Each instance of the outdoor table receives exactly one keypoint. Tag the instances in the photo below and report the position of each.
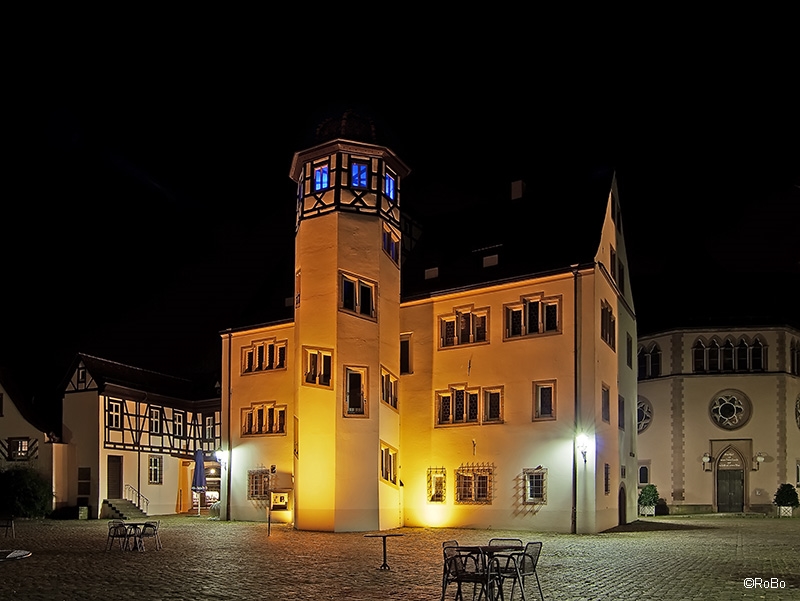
(490, 551)
(10, 554)
(133, 540)
(383, 535)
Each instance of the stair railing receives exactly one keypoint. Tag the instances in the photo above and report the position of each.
(137, 498)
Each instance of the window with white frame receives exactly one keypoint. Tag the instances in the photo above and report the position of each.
(359, 173)
(606, 405)
(388, 463)
(115, 414)
(258, 485)
(18, 448)
(318, 365)
(535, 492)
(389, 385)
(390, 185)
(463, 326)
(437, 484)
(210, 428)
(643, 478)
(321, 176)
(357, 295)
(457, 405)
(264, 418)
(264, 355)
(474, 484)
(178, 421)
(355, 386)
(544, 400)
(532, 315)
(155, 420)
(155, 469)
(743, 357)
(608, 325)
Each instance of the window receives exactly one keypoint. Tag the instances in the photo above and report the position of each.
(727, 356)
(613, 263)
(466, 326)
(649, 362)
(794, 359)
(358, 174)
(155, 471)
(391, 244)
(606, 405)
(699, 357)
(405, 354)
(155, 420)
(18, 449)
(437, 484)
(606, 478)
(644, 473)
(389, 186)
(318, 367)
(81, 375)
(264, 355)
(474, 483)
(264, 418)
(357, 296)
(210, 428)
(388, 388)
(544, 400)
(178, 421)
(457, 406)
(532, 315)
(535, 492)
(629, 351)
(757, 356)
(621, 412)
(258, 485)
(493, 405)
(608, 325)
(297, 289)
(321, 177)
(388, 463)
(355, 384)
(115, 414)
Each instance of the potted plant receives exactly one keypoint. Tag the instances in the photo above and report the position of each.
(648, 497)
(786, 499)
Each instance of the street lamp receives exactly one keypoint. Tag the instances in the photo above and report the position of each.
(582, 444)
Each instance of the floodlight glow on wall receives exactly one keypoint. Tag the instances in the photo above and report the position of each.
(582, 444)
(222, 457)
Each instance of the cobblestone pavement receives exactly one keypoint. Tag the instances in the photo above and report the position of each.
(673, 559)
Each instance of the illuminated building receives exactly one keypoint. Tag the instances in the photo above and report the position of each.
(498, 392)
(719, 417)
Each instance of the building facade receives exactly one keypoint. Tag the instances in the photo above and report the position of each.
(506, 402)
(719, 417)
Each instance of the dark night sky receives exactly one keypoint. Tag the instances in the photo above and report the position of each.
(149, 208)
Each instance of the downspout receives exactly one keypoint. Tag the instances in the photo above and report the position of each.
(139, 456)
(575, 367)
(230, 450)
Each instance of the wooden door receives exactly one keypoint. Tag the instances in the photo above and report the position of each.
(114, 479)
(730, 491)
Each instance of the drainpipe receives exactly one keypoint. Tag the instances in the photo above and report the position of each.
(230, 450)
(575, 367)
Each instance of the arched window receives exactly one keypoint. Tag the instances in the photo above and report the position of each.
(757, 356)
(713, 356)
(795, 357)
(655, 361)
(642, 363)
(727, 356)
(699, 357)
(742, 356)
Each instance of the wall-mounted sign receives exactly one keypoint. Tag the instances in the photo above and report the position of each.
(280, 501)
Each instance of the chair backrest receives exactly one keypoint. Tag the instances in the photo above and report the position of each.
(502, 542)
(450, 543)
(530, 558)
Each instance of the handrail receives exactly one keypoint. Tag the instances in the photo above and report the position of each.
(137, 498)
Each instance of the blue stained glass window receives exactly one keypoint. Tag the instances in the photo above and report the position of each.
(320, 177)
(358, 175)
(389, 186)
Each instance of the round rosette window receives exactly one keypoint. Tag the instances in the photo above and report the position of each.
(730, 409)
(644, 414)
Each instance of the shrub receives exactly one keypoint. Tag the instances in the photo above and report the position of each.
(786, 496)
(24, 493)
(648, 496)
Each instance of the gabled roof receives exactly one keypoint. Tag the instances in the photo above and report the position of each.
(546, 230)
(24, 403)
(112, 377)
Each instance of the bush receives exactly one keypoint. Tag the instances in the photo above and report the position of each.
(786, 496)
(24, 493)
(648, 496)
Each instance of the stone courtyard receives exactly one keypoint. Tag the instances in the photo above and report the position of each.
(667, 558)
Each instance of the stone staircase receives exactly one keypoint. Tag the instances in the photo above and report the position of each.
(121, 509)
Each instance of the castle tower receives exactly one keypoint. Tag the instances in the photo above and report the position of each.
(347, 332)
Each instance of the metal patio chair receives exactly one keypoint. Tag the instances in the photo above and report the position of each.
(519, 566)
(7, 522)
(150, 530)
(468, 565)
(117, 531)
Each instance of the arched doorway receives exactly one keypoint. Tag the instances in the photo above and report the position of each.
(623, 506)
(730, 482)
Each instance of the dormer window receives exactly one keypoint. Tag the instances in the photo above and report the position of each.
(389, 186)
(358, 174)
(321, 177)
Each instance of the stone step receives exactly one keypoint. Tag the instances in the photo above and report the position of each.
(121, 509)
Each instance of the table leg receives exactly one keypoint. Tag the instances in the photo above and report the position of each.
(384, 565)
